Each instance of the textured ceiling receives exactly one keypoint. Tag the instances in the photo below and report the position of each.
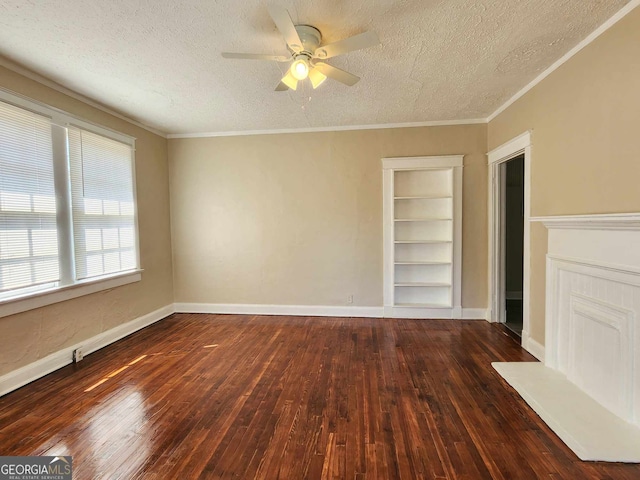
(158, 61)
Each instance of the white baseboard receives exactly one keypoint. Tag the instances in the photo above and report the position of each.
(436, 313)
(296, 310)
(329, 311)
(17, 378)
(474, 313)
(530, 345)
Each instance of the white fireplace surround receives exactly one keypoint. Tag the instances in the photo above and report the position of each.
(588, 390)
(592, 331)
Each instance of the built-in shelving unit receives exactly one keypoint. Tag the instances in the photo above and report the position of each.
(423, 245)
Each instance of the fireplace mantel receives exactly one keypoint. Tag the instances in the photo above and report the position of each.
(606, 221)
(592, 337)
(592, 332)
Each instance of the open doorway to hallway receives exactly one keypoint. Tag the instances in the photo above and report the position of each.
(512, 233)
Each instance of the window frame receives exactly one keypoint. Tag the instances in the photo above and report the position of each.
(62, 120)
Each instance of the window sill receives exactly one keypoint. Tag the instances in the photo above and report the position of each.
(60, 294)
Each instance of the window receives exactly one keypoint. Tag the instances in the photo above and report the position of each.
(28, 238)
(67, 201)
(103, 204)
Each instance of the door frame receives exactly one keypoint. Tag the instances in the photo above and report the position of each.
(496, 208)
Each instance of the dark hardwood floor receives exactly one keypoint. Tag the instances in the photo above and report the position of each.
(221, 396)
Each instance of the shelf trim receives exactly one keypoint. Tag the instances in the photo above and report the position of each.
(421, 242)
(423, 305)
(425, 197)
(427, 219)
(439, 162)
(422, 263)
(447, 188)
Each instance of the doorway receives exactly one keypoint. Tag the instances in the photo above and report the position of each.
(516, 147)
(512, 230)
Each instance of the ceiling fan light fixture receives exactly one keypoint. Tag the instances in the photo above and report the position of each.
(290, 81)
(306, 52)
(300, 68)
(316, 77)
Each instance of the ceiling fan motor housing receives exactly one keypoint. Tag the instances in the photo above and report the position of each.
(310, 38)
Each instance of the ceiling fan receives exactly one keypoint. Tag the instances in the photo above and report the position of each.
(307, 54)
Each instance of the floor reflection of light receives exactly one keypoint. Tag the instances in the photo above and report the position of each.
(117, 428)
(115, 372)
(137, 360)
(96, 385)
(59, 450)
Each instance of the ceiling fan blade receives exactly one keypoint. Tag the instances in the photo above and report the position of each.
(357, 42)
(282, 87)
(256, 56)
(337, 74)
(283, 21)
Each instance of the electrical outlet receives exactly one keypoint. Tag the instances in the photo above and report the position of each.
(350, 299)
(78, 355)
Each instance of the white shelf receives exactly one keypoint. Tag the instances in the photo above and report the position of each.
(422, 221)
(424, 197)
(425, 242)
(428, 219)
(422, 263)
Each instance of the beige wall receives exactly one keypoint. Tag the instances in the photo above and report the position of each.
(297, 218)
(585, 119)
(31, 335)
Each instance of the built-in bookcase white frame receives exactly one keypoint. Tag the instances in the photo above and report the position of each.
(453, 307)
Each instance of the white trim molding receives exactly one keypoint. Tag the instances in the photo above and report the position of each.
(294, 310)
(60, 294)
(14, 67)
(623, 12)
(341, 128)
(435, 313)
(474, 314)
(17, 378)
(328, 311)
(510, 149)
(439, 296)
(411, 163)
(62, 117)
(603, 221)
(532, 346)
(520, 145)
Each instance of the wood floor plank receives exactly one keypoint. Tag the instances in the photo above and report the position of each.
(240, 396)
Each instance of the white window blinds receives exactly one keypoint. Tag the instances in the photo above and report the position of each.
(67, 201)
(28, 233)
(103, 204)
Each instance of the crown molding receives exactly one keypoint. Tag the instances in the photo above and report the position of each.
(10, 65)
(14, 67)
(567, 56)
(437, 123)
